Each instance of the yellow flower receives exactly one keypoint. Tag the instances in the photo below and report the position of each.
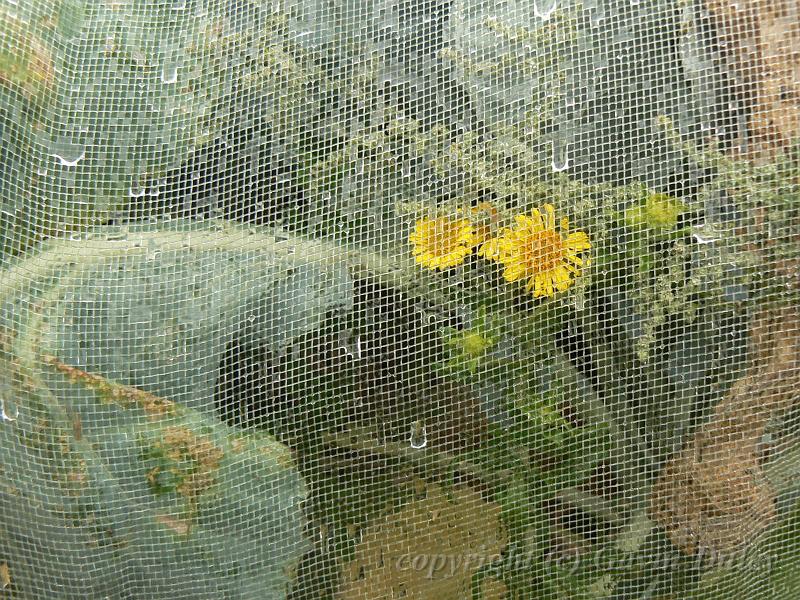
(535, 251)
(442, 243)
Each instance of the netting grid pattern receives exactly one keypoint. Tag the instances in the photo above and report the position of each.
(431, 299)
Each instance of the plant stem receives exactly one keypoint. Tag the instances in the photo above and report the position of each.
(365, 440)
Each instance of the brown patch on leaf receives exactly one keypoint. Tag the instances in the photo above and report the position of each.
(5, 575)
(713, 497)
(115, 393)
(25, 62)
(179, 526)
(761, 41)
(428, 550)
(79, 476)
(181, 445)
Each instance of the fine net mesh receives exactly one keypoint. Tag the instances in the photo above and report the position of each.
(428, 299)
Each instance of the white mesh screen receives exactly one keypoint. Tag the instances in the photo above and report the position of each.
(429, 299)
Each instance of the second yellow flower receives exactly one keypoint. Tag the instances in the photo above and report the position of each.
(533, 250)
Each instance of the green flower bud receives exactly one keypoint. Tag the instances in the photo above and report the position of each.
(659, 212)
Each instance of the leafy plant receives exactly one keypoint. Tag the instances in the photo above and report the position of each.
(115, 461)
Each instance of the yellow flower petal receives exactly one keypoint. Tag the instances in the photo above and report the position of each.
(514, 272)
(490, 249)
(575, 259)
(548, 284)
(537, 224)
(533, 250)
(523, 221)
(550, 221)
(578, 241)
(562, 279)
(442, 243)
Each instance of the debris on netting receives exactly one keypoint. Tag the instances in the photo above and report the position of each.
(430, 548)
(714, 497)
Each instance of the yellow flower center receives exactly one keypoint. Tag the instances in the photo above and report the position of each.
(445, 237)
(544, 251)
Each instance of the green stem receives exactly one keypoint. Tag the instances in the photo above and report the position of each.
(365, 440)
(605, 509)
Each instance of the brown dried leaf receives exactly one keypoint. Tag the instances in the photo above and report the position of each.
(428, 550)
(713, 497)
(761, 40)
(5, 575)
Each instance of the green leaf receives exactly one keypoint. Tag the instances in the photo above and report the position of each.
(115, 461)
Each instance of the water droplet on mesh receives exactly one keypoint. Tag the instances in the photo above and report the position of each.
(136, 191)
(350, 346)
(179, 5)
(8, 411)
(169, 73)
(69, 154)
(419, 437)
(704, 240)
(704, 234)
(560, 156)
(544, 8)
(580, 300)
(153, 251)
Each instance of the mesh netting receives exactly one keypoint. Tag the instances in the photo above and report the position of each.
(442, 299)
